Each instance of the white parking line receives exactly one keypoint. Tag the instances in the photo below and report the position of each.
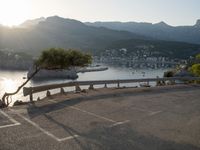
(45, 131)
(9, 125)
(141, 109)
(38, 127)
(154, 113)
(87, 112)
(93, 114)
(15, 123)
(119, 123)
(116, 123)
(69, 138)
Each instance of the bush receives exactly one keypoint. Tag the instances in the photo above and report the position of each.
(195, 69)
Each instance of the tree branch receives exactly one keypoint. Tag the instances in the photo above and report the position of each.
(6, 95)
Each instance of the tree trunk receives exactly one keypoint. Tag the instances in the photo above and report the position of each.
(6, 95)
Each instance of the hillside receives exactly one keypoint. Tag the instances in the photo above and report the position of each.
(35, 35)
(59, 32)
(160, 31)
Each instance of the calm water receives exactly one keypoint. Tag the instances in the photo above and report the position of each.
(10, 80)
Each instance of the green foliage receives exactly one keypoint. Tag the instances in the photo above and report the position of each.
(195, 69)
(197, 59)
(198, 56)
(58, 58)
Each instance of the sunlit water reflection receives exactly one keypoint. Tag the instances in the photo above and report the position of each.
(10, 80)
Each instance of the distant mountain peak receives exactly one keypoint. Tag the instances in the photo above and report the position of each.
(54, 18)
(198, 23)
(60, 20)
(32, 22)
(162, 24)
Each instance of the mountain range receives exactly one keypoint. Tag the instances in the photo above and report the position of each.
(59, 32)
(35, 35)
(159, 31)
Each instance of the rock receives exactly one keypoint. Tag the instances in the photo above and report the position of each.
(57, 73)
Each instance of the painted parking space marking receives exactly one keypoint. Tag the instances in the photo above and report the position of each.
(119, 123)
(115, 123)
(87, 112)
(14, 122)
(69, 138)
(93, 114)
(45, 131)
(53, 136)
(154, 113)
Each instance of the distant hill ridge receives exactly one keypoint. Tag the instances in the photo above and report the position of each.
(35, 35)
(160, 31)
(59, 32)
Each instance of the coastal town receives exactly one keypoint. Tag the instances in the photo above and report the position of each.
(138, 59)
(113, 57)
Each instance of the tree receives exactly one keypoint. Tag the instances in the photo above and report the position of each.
(54, 58)
(57, 58)
(195, 69)
(198, 57)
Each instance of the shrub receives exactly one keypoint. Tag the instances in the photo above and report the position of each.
(195, 69)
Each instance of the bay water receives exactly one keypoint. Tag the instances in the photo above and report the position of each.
(10, 80)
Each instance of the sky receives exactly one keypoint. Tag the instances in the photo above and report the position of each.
(173, 12)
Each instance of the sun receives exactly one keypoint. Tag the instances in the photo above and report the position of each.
(14, 12)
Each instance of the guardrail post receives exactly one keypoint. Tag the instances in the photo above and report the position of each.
(118, 86)
(77, 88)
(105, 86)
(31, 97)
(158, 82)
(91, 87)
(173, 82)
(62, 91)
(48, 93)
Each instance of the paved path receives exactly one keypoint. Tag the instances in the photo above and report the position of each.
(159, 118)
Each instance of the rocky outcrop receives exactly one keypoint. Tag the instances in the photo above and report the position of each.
(91, 69)
(63, 73)
(58, 73)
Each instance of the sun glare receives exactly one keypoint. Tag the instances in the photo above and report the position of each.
(14, 12)
(9, 85)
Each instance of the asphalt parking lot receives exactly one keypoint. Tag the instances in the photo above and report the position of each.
(161, 118)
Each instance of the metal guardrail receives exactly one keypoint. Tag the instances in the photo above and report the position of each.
(31, 90)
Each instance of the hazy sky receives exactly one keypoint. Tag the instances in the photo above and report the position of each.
(174, 12)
